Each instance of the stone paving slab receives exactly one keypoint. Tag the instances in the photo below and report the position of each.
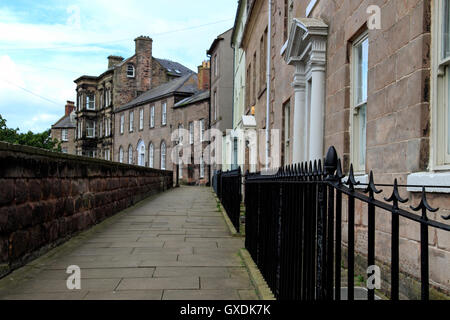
(174, 245)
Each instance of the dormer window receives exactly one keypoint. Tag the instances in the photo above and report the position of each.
(130, 71)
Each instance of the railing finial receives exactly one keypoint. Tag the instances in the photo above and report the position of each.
(395, 196)
(331, 162)
(371, 188)
(424, 205)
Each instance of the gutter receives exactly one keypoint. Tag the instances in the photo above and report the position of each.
(269, 33)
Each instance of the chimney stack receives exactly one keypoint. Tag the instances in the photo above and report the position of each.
(70, 106)
(114, 60)
(143, 49)
(204, 75)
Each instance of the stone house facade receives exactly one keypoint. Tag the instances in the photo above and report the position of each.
(221, 114)
(379, 95)
(124, 80)
(192, 114)
(64, 129)
(144, 127)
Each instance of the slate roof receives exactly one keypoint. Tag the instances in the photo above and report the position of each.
(179, 86)
(174, 68)
(64, 122)
(199, 96)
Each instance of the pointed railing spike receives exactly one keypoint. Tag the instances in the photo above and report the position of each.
(424, 205)
(339, 174)
(371, 188)
(351, 179)
(395, 197)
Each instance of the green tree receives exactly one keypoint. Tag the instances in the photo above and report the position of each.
(38, 140)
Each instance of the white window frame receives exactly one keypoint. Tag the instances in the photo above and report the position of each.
(191, 132)
(356, 145)
(202, 130)
(141, 119)
(163, 156)
(152, 116)
(132, 69)
(440, 103)
(130, 154)
(215, 105)
(90, 105)
(100, 128)
(64, 135)
(121, 154)
(202, 167)
(151, 154)
(92, 129)
(131, 122)
(108, 127)
(164, 114)
(141, 153)
(107, 154)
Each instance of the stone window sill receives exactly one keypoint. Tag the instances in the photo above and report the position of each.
(430, 179)
(362, 178)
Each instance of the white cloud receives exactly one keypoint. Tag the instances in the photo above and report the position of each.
(45, 54)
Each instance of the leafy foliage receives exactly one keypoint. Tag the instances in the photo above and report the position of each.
(38, 140)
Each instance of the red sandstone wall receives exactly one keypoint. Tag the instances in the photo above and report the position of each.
(47, 197)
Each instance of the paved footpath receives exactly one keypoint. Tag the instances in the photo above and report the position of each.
(174, 245)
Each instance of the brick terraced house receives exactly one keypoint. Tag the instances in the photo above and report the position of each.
(379, 95)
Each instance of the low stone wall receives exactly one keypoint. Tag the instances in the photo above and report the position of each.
(47, 197)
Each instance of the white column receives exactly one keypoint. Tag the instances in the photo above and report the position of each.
(317, 110)
(299, 115)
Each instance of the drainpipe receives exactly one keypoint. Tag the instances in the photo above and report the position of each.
(268, 82)
(209, 117)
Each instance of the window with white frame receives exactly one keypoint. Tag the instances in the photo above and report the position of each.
(216, 65)
(121, 154)
(130, 71)
(441, 85)
(202, 167)
(163, 155)
(202, 129)
(122, 122)
(107, 127)
(79, 131)
(180, 133)
(108, 97)
(360, 55)
(164, 114)
(141, 153)
(107, 154)
(215, 105)
(90, 128)
(150, 155)
(141, 119)
(64, 150)
(79, 102)
(64, 135)
(152, 116)
(101, 99)
(100, 128)
(131, 124)
(90, 101)
(130, 154)
(191, 132)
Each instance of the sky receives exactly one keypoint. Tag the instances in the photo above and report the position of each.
(45, 45)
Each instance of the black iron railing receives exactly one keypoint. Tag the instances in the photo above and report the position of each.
(229, 190)
(294, 229)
